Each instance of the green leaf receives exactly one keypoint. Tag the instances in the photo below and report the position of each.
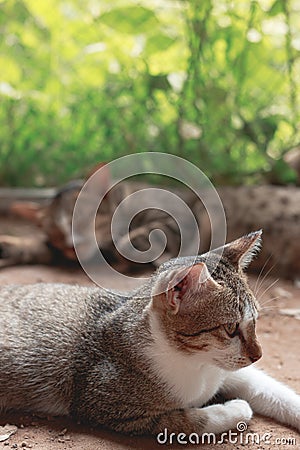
(282, 173)
(133, 19)
(159, 82)
(276, 8)
(158, 43)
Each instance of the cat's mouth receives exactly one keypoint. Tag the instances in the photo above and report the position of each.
(235, 363)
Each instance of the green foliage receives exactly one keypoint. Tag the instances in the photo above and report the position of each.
(213, 81)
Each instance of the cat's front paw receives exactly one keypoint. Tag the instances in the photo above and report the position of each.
(221, 418)
(240, 409)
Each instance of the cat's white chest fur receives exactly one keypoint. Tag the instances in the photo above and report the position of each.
(191, 380)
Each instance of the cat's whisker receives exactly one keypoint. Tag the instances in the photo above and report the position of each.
(263, 279)
(261, 272)
(269, 301)
(268, 308)
(268, 288)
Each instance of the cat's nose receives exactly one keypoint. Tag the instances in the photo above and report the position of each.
(255, 358)
(255, 354)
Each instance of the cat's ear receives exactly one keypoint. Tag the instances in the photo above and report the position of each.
(241, 251)
(99, 179)
(172, 289)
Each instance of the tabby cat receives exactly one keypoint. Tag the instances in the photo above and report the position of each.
(147, 360)
(275, 209)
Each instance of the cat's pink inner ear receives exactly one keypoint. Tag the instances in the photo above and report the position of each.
(189, 279)
(98, 166)
(177, 286)
(199, 273)
(99, 178)
(200, 277)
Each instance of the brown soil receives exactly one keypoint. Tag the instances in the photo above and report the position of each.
(279, 335)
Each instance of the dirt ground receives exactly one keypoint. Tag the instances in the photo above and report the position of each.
(279, 335)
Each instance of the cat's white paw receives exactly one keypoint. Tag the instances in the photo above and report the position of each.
(240, 409)
(221, 418)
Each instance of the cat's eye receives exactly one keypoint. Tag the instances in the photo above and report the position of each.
(231, 329)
